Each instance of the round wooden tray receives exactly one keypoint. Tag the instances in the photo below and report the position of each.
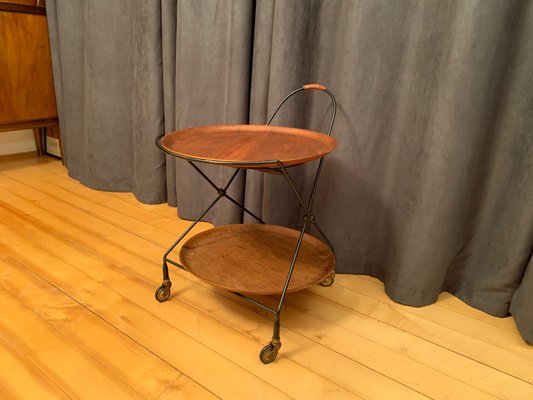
(248, 146)
(255, 259)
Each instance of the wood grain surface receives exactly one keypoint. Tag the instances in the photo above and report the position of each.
(244, 145)
(24, 6)
(25, 2)
(27, 87)
(255, 259)
(86, 264)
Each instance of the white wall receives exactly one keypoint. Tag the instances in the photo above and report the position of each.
(16, 142)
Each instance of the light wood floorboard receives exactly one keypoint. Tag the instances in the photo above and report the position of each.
(78, 270)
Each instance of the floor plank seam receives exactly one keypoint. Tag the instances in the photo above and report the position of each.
(29, 361)
(67, 339)
(109, 244)
(162, 320)
(44, 228)
(429, 341)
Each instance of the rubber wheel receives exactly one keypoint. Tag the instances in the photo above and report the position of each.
(162, 293)
(328, 281)
(268, 354)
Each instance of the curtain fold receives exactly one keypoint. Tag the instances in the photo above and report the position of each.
(522, 304)
(107, 69)
(430, 188)
(208, 49)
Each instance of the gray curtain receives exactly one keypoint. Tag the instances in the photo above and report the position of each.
(207, 50)
(106, 57)
(430, 189)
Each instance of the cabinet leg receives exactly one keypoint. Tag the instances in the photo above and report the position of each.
(37, 135)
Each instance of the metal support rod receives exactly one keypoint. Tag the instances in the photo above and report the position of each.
(166, 277)
(333, 102)
(231, 179)
(260, 305)
(192, 226)
(287, 176)
(275, 334)
(223, 190)
(334, 113)
(244, 208)
(307, 208)
(317, 227)
(319, 170)
(291, 269)
(204, 175)
(174, 263)
(315, 184)
(283, 102)
(221, 193)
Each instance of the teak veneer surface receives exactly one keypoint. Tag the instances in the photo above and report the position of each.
(26, 81)
(255, 259)
(247, 145)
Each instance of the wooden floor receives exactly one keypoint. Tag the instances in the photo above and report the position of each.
(78, 270)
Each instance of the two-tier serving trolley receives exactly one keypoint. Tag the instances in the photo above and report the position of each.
(255, 259)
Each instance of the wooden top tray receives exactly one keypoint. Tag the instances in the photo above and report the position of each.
(255, 259)
(248, 146)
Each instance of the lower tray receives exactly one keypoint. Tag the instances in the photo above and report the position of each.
(255, 259)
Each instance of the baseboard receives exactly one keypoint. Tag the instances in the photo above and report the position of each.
(14, 142)
(18, 156)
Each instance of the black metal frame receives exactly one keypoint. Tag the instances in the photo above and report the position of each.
(270, 351)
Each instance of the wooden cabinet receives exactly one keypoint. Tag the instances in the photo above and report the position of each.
(27, 97)
(36, 3)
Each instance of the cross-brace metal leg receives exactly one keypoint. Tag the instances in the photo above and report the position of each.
(163, 292)
(270, 351)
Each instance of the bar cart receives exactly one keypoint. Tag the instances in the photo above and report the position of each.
(255, 259)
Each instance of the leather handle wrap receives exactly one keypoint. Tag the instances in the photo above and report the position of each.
(314, 86)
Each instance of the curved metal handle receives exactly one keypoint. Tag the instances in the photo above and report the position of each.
(310, 86)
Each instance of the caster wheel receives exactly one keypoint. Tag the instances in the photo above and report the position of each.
(328, 281)
(268, 354)
(162, 293)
